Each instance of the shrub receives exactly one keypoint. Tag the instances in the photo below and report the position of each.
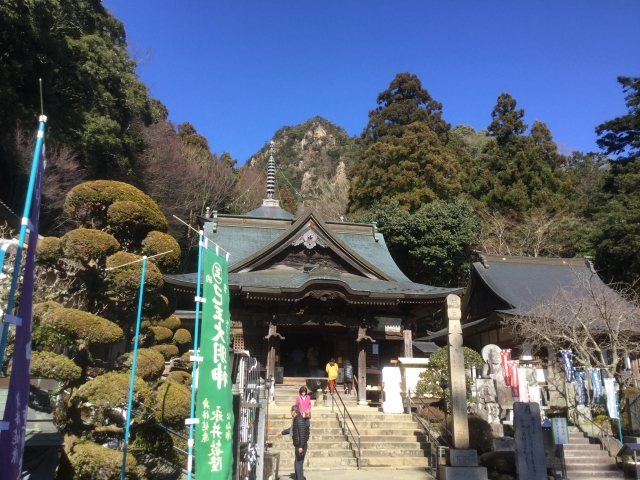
(89, 202)
(81, 326)
(162, 334)
(480, 435)
(124, 282)
(168, 351)
(112, 390)
(503, 463)
(85, 245)
(153, 439)
(182, 337)
(48, 250)
(171, 322)
(158, 242)
(173, 403)
(130, 221)
(180, 377)
(149, 363)
(51, 365)
(39, 309)
(91, 462)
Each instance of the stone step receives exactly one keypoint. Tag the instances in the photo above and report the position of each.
(390, 452)
(593, 467)
(582, 452)
(386, 424)
(411, 445)
(312, 431)
(589, 460)
(315, 423)
(391, 431)
(313, 445)
(392, 438)
(312, 438)
(582, 446)
(586, 474)
(320, 463)
(579, 441)
(289, 453)
(394, 462)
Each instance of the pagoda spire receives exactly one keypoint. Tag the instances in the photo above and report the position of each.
(271, 174)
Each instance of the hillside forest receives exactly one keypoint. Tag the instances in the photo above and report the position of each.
(436, 191)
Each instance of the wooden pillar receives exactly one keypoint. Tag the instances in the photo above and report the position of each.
(272, 339)
(408, 343)
(362, 340)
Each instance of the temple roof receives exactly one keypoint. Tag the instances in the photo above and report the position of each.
(264, 251)
(269, 211)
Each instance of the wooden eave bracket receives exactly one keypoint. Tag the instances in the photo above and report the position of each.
(273, 333)
(362, 335)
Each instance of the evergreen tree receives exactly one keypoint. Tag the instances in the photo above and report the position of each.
(616, 229)
(407, 154)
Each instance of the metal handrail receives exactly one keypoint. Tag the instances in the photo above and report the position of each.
(609, 437)
(429, 411)
(344, 423)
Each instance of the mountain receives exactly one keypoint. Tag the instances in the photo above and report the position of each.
(312, 159)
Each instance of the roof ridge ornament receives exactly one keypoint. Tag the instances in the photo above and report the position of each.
(482, 259)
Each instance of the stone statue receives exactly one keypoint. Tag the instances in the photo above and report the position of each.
(487, 398)
(493, 366)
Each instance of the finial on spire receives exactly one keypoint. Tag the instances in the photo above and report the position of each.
(271, 174)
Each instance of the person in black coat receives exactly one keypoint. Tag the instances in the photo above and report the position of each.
(300, 435)
(348, 377)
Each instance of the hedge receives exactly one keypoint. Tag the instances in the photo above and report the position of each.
(112, 390)
(131, 221)
(182, 337)
(85, 244)
(91, 461)
(180, 377)
(149, 363)
(48, 250)
(83, 326)
(168, 351)
(162, 334)
(173, 403)
(89, 202)
(158, 242)
(172, 322)
(124, 282)
(57, 367)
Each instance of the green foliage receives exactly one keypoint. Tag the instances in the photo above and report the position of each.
(288, 200)
(407, 155)
(91, 462)
(162, 334)
(480, 435)
(432, 246)
(168, 351)
(48, 250)
(171, 322)
(180, 377)
(158, 242)
(85, 245)
(149, 363)
(438, 368)
(616, 217)
(51, 365)
(89, 203)
(182, 337)
(507, 121)
(80, 326)
(173, 402)
(124, 282)
(91, 88)
(501, 463)
(112, 390)
(153, 439)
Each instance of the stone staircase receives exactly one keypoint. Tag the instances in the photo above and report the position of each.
(387, 441)
(585, 460)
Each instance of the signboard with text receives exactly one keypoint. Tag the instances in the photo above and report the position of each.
(214, 401)
(560, 431)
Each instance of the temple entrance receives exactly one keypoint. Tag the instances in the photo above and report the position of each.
(307, 354)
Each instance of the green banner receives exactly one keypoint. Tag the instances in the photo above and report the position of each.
(214, 407)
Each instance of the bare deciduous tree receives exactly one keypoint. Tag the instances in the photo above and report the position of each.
(599, 323)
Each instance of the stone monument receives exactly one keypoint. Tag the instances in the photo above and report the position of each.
(530, 459)
(392, 400)
(462, 463)
(493, 397)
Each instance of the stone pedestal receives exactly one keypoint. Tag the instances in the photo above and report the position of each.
(446, 472)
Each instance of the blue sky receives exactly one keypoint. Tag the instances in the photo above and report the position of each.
(239, 70)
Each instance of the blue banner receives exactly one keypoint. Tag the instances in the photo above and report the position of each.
(582, 391)
(596, 385)
(15, 413)
(567, 363)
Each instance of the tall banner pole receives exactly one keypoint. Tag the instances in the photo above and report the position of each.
(133, 370)
(214, 423)
(14, 422)
(23, 233)
(195, 358)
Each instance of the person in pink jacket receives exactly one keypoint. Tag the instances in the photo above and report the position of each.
(304, 404)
